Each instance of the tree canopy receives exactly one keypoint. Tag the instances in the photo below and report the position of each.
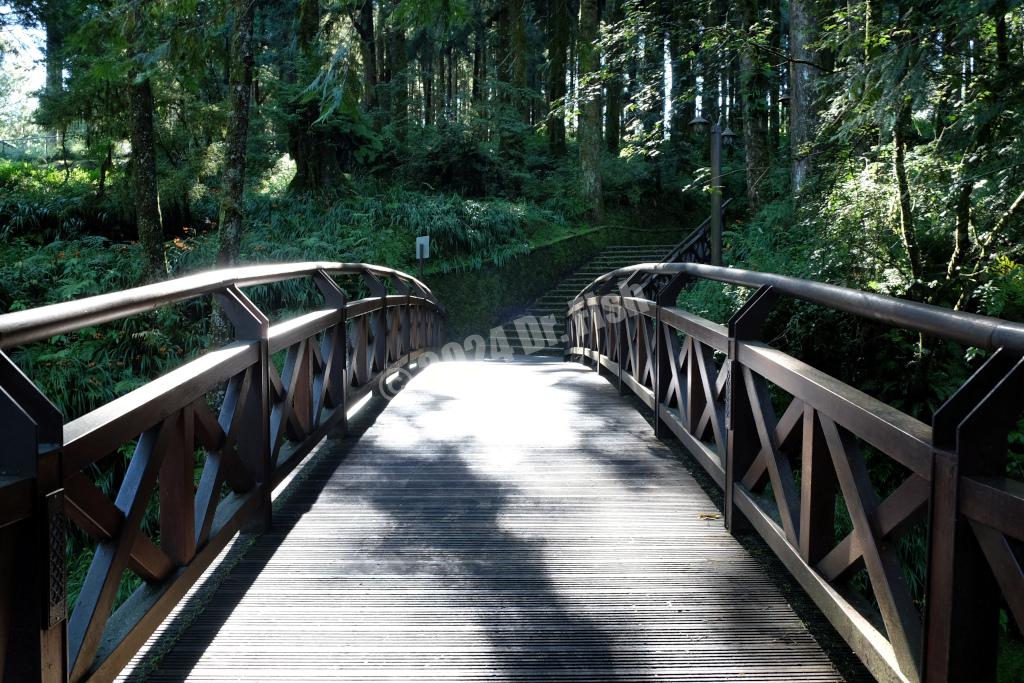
(878, 143)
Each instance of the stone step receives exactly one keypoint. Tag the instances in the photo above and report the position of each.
(630, 252)
(619, 258)
(554, 301)
(514, 338)
(624, 258)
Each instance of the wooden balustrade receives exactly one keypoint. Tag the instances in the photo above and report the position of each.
(716, 387)
(266, 421)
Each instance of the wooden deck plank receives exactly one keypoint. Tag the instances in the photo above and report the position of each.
(498, 521)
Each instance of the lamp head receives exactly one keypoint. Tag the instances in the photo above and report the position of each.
(699, 124)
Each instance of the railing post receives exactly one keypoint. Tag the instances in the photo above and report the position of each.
(969, 435)
(402, 347)
(35, 597)
(716, 195)
(567, 342)
(661, 362)
(406, 329)
(622, 335)
(380, 326)
(336, 379)
(665, 297)
(818, 488)
(254, 447)
(742, 443)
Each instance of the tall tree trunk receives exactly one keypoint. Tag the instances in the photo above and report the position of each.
(733, 96)
(383, 68)
(519, 48)
(503, 52)
(711, 71)
(147, 203)
(754, 89)
(558, 45)
(676, 103)
(803, 76)
(427, 75)
(479, 60)
(538, 89)
(632, 94)
(368, 52)
(1002, 42)
(398, 62)
(684, 79)
(775, 45)
(573, 83)
(143, 141)
(654, 76)
(240, 87)
(440, 93)
(317, 162)
(52, 18)
(907, 232)
(613, 115)
(54, 51)
(449, 83)
(590, 108)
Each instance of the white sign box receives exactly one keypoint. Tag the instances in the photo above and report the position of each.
(423, 246)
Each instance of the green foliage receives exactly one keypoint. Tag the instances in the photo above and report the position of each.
(45, 203)
(378, 224)
(452, 159)
(83, 370)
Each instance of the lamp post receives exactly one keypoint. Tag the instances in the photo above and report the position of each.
(716, 195)
(700, 125)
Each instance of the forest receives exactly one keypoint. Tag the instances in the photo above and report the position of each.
(872, 144)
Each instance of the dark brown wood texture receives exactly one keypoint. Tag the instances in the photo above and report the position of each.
(264, 421)
(716, 389)
(498, 521)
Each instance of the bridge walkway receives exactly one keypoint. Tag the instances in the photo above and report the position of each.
(510, 521)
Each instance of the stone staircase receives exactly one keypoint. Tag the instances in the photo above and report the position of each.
(539, 330)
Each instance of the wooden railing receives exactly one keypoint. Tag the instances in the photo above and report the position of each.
(715, 388)
(267, 420)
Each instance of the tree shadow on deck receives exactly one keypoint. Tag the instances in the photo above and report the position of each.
(442, 577)
(817, 624)
(176, 642)
(460, 538)
(429, 562)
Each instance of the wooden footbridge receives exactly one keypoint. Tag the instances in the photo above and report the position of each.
(504, 520)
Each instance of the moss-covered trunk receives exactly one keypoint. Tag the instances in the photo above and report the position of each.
(240, 88)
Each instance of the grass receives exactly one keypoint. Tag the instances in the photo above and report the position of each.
(1011, 660)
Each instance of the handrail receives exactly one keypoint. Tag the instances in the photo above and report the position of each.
(23, 327)
(716, 388)
(968, 328)
(250, 418)
(694, 248)
(695, 234)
